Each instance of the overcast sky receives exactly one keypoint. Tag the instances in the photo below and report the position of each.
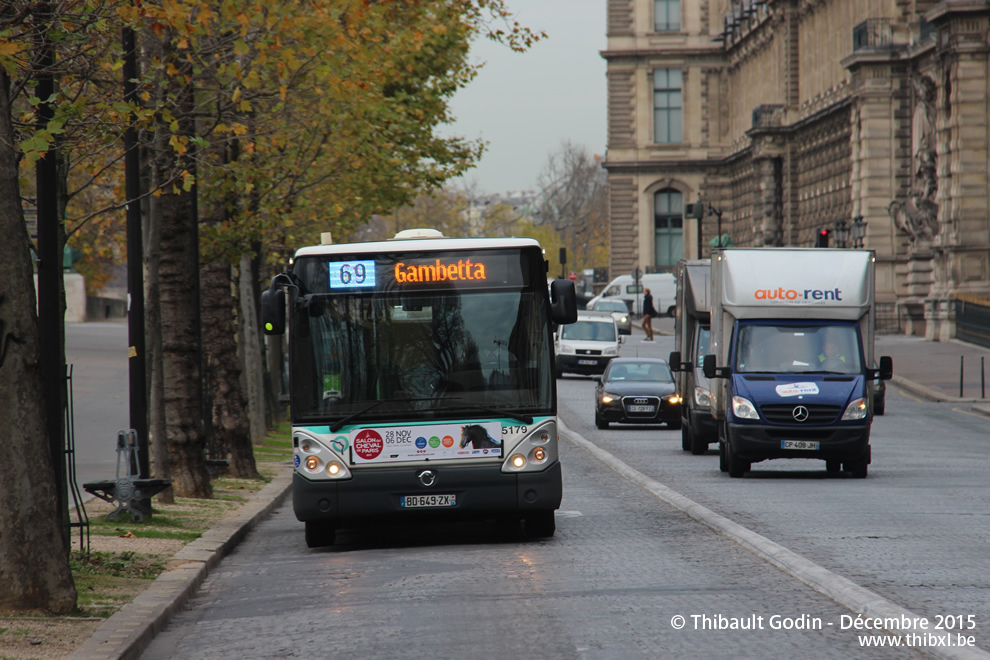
(526, 104)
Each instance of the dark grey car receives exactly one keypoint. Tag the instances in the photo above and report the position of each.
(637, 391)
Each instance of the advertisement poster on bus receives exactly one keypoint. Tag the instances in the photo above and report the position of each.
(434, 442)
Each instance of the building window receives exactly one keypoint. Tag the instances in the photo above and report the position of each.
(666, 15)
(668, 228)
(667, 106)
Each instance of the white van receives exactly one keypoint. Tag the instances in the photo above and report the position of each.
(587, 345)
(663, 286)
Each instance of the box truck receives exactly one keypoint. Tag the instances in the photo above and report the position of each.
(663, 286)
(691, 340)
(791, 356)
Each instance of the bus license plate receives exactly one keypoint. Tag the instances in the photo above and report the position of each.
(635, 408)
(423, 501)
(799, 444)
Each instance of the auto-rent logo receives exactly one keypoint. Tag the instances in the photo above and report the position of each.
(780, 295)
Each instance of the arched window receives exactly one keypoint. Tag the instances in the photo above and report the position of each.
(668, 227)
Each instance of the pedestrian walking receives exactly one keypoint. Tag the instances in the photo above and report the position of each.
(649, 311)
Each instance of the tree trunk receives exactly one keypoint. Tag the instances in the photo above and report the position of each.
(250, 350)
(231, 427)
(181, 345)
(178, 273)
(34, 571)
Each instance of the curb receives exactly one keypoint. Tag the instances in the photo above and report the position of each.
(932, 394)
(843, 591)
(129, 631)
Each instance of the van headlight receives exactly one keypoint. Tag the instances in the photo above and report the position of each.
(612, 350)
(855, 410)
(702, 397)
(744, 408)
(566, 349)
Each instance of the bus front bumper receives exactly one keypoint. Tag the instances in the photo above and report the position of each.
(375, 495)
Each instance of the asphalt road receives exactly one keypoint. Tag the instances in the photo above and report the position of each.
(624, 564)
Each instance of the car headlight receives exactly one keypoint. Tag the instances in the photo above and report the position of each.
(702, 397)
(610, 351)
(674, 399)
(566, 349)
(743, 408)
(855, 410)
(608, 398)
(624, 319)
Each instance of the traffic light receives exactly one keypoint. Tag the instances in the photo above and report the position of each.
(821, 240)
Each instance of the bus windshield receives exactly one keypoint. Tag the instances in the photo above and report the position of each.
(420, 356)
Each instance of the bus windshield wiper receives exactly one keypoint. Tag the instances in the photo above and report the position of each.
(525, 419)
(340, 423)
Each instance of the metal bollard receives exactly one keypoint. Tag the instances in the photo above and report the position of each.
(961, 358)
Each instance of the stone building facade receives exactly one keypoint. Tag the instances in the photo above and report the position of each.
(783, 118)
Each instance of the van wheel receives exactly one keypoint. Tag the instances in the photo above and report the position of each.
(723, 462)
(858, 469)
(699, 445)
(833, 466)
(319, 534)
(539, 524)
(737, 466)
(685, 438)
(672, 311)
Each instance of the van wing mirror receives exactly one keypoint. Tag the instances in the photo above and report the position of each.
(675, 362)
(886, 367)
(711, 371)
(563, 302)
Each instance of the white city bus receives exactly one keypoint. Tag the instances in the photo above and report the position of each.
(421, 374)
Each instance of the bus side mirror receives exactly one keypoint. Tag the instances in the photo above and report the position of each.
(563, 302)
(273, 311)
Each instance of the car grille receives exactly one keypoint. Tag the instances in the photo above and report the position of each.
(784, 413)
(587, 351)
(641, 401)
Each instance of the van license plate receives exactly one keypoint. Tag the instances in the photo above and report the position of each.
(424, 501)
(588, 362)
(800, 444)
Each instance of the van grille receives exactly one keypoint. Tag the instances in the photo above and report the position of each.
(783, 413)
(587, 351)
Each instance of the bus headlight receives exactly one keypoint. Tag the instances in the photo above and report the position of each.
(855, 410)
(318, 458)
(534, 452)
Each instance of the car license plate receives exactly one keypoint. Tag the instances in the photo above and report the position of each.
(588, 362)
(799, 444)
(425, 501)
(635, 408)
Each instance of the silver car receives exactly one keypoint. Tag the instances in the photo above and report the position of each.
(620, 312)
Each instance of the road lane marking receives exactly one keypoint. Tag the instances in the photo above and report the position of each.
(843, 591)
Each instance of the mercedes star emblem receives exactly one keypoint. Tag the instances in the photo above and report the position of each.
(800, 414)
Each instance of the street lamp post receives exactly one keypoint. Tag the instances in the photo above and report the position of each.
(841, 232)
(858, 231)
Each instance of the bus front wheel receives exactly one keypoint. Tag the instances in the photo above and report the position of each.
(319, 534)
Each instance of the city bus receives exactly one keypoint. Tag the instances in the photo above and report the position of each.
(422, 383)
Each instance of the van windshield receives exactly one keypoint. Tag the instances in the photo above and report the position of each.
(798, 349)
(588, 331)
